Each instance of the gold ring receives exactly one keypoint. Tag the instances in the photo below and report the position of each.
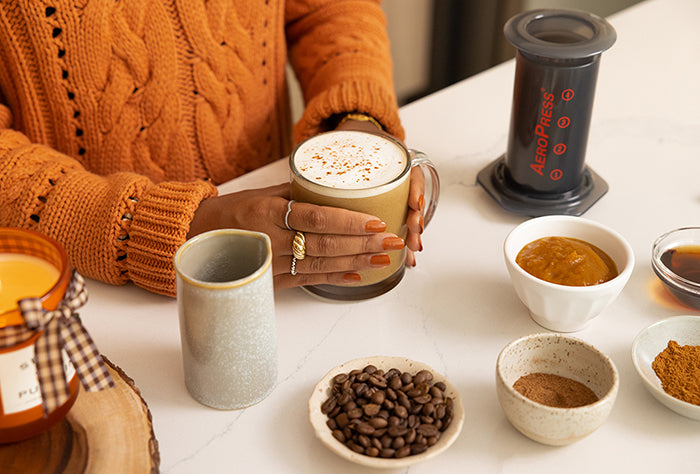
(299, 246)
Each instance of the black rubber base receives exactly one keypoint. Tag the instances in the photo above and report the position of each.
(573, 203)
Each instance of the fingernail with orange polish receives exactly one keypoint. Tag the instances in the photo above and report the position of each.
(420, 244)
(351, 277)
(375, 226)
(381, 260)
(422, 224)
(392, 243)
(421, 201)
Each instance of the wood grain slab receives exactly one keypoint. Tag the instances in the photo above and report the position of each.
(106, 431)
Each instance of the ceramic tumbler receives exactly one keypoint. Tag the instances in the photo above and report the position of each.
(226, 310)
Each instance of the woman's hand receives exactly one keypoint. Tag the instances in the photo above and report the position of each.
(338, 242)
(414, 219)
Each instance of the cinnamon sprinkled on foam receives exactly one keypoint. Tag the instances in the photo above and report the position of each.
(350, 160)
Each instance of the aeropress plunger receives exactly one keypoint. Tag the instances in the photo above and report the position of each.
(543, 170)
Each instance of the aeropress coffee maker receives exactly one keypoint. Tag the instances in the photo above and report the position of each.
(543, 170)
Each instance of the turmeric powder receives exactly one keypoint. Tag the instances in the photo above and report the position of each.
(678, 368)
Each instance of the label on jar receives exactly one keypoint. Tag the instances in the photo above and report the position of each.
(19, 384)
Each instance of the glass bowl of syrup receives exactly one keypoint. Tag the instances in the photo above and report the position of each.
(675, 258)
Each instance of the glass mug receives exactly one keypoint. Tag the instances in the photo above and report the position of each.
(31, 265)
(365, 172)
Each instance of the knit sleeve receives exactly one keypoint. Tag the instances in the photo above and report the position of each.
(115, 229)
(339, 50)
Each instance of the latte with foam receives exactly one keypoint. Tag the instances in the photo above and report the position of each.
(350, 160)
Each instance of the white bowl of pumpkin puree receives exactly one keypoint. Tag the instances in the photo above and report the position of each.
(566, 270)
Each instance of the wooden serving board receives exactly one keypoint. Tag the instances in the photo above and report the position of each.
(106, 431)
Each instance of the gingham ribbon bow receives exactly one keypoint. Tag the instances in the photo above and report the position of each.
(63, 330)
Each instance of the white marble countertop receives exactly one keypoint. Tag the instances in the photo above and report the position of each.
(457, 309)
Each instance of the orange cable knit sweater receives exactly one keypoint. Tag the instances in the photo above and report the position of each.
(116, 117)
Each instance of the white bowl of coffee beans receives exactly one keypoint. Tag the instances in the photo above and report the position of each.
(386, 412)
(555, 389)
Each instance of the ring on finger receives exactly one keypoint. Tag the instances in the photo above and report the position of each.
(293, 271)
(299, 246)
(286, 216)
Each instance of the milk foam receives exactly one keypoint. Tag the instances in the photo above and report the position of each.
(349, 160)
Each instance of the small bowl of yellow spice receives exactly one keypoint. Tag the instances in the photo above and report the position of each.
(566, 270)
(555, 389)
(666, 356)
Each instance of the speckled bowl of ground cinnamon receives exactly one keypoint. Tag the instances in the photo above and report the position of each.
(554, 388)
(666, 356)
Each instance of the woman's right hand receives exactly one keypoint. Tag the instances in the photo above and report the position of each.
(339, 242)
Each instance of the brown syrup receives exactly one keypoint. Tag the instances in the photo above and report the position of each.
(684, 261)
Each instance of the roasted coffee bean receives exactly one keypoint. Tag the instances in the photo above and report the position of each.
(329, 405)
(395, 431)
(427, 430)
(378, 397)
(386, 440)
(387, 453)
(440, 411)
(372, 451)
(362, 377)
(410, 437)
(355, 447)
(364, 441)
(387, 414)
(344, 398)
(401, 411)
(377, 422)
(338, 434)
(361, 388)
(423, 399)
(365, 428)
(340, 378)
(402, 452)
(418, 448)
(342, 420)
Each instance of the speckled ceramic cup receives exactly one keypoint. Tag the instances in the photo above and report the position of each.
(565, 356)
(226, 308)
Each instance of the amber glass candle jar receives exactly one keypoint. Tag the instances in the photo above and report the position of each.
(31, 265)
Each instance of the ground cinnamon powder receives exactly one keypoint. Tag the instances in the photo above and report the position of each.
(554, 390)
(678, 368)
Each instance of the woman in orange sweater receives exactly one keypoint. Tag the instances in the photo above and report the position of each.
(118, 118)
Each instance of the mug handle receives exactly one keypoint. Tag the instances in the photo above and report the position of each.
(432, 181)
